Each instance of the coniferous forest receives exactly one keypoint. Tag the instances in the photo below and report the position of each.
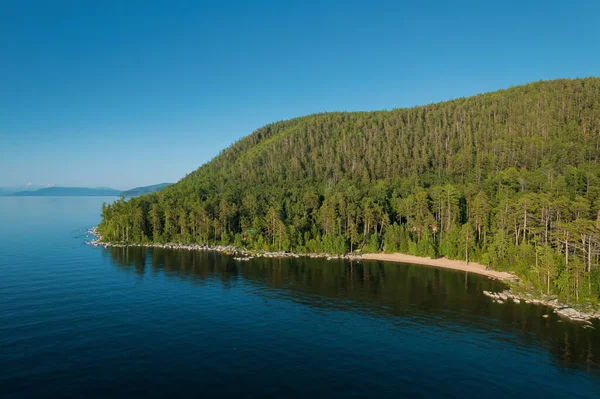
(510, 179)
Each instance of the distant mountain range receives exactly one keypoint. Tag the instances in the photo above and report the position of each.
(83, 191)
(69, 192)
(11, 190)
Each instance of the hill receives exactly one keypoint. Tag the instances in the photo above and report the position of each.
(136, 192)
(69, 192)
(8, 191)
(510, 179)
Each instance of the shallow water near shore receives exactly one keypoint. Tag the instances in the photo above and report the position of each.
(81, 321)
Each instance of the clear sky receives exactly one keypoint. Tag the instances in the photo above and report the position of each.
(130, 93)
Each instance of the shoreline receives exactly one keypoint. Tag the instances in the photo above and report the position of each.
(561, 309)
(241, 254)
(445, 263)
(244, 254)
(503, 297)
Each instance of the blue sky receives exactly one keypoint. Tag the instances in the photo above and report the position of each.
(129, 93)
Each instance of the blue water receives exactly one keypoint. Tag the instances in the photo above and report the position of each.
(80, 321)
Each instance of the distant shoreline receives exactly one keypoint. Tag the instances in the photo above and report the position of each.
(57, 191)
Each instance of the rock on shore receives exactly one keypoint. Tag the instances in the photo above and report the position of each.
(558, 308)
(240, 254)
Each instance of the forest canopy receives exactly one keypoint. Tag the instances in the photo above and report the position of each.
(509, 179)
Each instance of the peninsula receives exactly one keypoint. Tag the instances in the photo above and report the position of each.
(509, 179)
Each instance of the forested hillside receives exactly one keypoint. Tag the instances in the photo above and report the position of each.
(509, 178)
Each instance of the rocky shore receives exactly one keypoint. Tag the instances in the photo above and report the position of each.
(560, 309)
(240, 253)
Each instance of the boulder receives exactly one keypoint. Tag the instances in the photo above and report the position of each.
(572, 314)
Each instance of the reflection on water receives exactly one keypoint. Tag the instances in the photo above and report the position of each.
(397, 292)
(78, 321)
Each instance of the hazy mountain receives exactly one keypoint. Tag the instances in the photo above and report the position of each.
(33, 191)
(12, 190)
(136, 192)
(69, 192)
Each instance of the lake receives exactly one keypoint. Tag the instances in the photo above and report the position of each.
(81, 321)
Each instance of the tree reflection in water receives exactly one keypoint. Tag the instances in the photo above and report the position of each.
(427, 295)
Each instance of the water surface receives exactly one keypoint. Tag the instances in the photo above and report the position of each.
(80, 321)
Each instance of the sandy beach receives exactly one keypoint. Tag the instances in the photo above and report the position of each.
(471, 267)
